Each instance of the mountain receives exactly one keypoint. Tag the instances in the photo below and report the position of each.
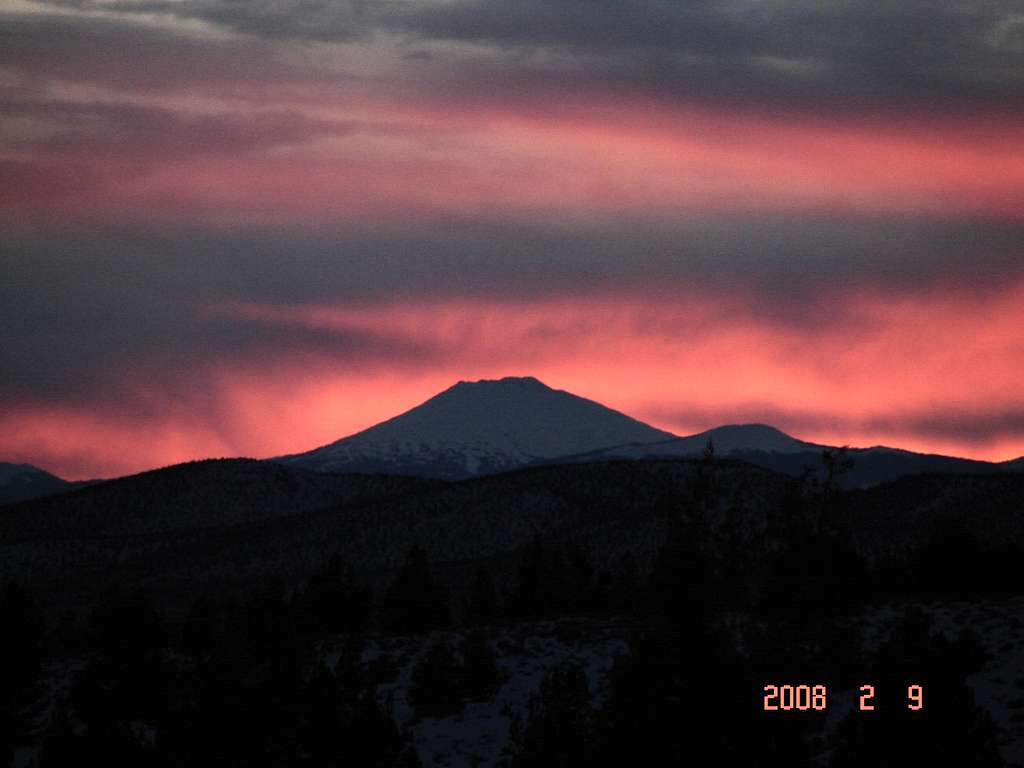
(482, 427)
(772, 449)
(487, 427)
(217, 525)
(181, 528)
(196, 495)
(728, 440)
(19, 482)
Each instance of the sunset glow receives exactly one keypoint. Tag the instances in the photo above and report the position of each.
(245, 233)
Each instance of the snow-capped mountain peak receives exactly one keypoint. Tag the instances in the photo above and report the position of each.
(481, 427)
(488, 426)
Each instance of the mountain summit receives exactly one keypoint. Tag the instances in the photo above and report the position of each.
(485, 427)
(481, 427)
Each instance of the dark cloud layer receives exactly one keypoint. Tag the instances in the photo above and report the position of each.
(902, 51)
(93, 94)
(334, 20)
(79, 311)
(938, 54)
(85, 320)
(125, 54)
(152, 133)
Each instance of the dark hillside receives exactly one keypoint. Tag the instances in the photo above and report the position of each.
(228, 523)
(200, 494)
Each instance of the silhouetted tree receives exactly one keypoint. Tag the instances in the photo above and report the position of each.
(531, 596)
(684, 579)
(22, 632)
(558, 729)
(684, 696)
(332, 601)
(415, 601)
(836, 463)
(482, 607)
(625, 590)
(948, 729)
(126, 681)
(809, 569)
(60, 747)
(552, 580)
(437, 683)
(480, 667)
(343, 724)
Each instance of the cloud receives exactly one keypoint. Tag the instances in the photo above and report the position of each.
(154, 134)
(924, 51)
(117, 50)
(932, 54)
(269, 378)
(729, 186)
(336, 20)
(394, 162)
(928, 52)
(576, 110)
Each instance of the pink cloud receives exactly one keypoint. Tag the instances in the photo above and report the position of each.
(684, 363)
(604, 158)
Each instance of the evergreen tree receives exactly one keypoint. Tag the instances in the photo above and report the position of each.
(22, 633)
(552, 580)
(437, 682)
(332, 601)
(482, 607)
(60, 747)
(559, 726)
(480, 667)
(947, 728)
(415, 601)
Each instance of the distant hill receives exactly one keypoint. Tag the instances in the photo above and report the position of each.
(201, 494)
(873, 466)
(906, 511)
(213, 524)
(23, 481)
(728, 440)
(768, 447)
(233, 523)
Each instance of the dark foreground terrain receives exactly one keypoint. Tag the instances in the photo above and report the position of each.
(619, 612)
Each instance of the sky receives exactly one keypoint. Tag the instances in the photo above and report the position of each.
(250, 228)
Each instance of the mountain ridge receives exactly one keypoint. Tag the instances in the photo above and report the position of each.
(490, 426)
(465, 431)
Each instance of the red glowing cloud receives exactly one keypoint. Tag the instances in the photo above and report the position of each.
(583, 159)
(875, 370)
(311, 227)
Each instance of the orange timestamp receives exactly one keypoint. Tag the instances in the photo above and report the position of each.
(803, 698)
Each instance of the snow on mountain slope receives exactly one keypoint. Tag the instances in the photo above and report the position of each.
(484, 427)
(481, 427)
